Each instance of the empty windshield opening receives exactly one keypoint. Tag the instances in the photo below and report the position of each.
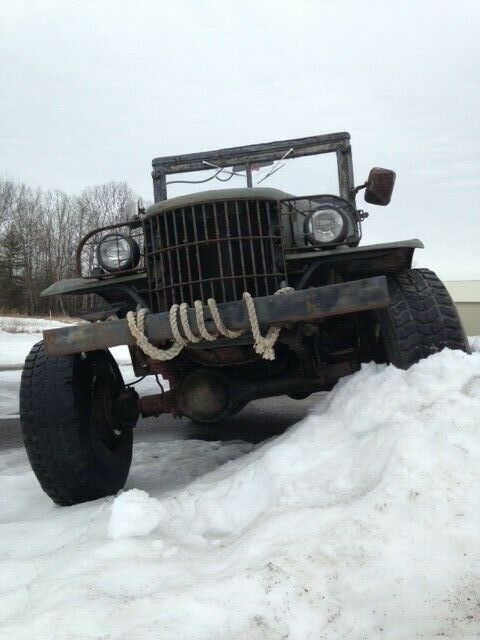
(299, 176)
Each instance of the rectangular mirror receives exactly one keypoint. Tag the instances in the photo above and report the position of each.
(379, 186)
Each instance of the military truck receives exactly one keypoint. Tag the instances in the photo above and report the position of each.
(230, 295)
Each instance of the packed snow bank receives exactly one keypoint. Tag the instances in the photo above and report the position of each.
(359, 522)
(379, 423)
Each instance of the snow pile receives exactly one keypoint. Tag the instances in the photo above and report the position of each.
(337, 455)
(474, 343)
(359, 522)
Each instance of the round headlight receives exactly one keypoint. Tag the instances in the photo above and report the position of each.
(325, 226)
(117, 252)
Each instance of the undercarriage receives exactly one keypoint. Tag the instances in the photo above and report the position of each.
(321, 340)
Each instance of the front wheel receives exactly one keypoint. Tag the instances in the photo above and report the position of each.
(421, 319)
(79, 447)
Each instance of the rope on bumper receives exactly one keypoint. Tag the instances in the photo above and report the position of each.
(263, 345)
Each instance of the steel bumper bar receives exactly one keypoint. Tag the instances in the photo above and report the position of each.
(306, 305)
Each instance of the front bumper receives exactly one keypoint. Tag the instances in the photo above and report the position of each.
(306, 305)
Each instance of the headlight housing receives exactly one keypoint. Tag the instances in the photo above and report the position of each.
(117, 252)
(326, 225)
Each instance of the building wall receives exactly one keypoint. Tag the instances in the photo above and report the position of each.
(466, 295)
(470, 315)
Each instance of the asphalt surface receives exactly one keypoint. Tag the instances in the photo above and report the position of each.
(258, 421)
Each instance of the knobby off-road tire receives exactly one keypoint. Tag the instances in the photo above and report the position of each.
(68, 425)
(421, 319)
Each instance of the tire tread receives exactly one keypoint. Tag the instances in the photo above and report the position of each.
(57, 449)
(421, 319)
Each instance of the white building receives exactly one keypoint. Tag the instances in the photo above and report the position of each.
(466, 295)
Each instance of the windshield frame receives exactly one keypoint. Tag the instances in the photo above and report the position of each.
(270, 152)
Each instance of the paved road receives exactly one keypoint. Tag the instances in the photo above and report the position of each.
(258, 421)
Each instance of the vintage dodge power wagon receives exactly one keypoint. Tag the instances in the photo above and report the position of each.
(230, 295)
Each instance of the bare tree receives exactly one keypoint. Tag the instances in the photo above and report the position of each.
(104, 204)
(39, 234)
(8, 192)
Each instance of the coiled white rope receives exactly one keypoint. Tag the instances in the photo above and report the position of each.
(263, 345)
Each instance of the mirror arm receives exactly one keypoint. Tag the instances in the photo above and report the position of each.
(360, 187)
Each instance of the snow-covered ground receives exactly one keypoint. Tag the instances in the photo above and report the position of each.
(18, 335)
(361, 521)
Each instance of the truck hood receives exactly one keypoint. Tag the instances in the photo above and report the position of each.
(213, 195)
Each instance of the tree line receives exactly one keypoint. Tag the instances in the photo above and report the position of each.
(39, 234)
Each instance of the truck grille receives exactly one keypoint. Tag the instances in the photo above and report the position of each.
(216, 249)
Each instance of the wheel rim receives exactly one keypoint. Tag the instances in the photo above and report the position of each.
(103, 413)
(104, 388)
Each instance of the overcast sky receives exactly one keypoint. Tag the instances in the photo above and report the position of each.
(92, 91)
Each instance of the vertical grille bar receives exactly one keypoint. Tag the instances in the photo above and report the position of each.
(168, 243)
(262, 248)
(197, 250)
(270, 241)
(250, 242)
(206, 235)
(240, 246)
(162, 262)
(177, 252)
(148, 226)
(219, 251)
(230, 250)
(186, 254)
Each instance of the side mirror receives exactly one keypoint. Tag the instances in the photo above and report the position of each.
(379, 186)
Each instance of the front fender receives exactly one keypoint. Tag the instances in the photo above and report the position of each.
(354, 262)
(78, 286)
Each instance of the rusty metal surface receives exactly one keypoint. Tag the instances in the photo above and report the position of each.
(379, 186)
(264, 152)
(205, 395)
(208, 396)
(216, 249)
(299, 306)
(77, 286)
(338, 143)
(345, 253)
(155, 405)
